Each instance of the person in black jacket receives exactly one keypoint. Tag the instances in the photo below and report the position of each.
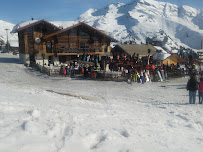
(192, 86)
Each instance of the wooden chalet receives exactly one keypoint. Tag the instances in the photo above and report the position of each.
(29, 37)
(43, 43)
(77, 40)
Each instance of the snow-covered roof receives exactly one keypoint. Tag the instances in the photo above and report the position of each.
(161, 54)
(160, 48)
(22, 24)
(63, 24)
(58, 24)
(28, 24)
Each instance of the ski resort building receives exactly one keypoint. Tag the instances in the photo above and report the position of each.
(43, 43)
(30, 39)
(76, 41)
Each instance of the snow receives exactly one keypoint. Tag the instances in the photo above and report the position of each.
(144, 18)
(63, 24)
(139, 19)
(14, 43)
(162, 55)
(39, 113)
(12, 38)
(22, 24)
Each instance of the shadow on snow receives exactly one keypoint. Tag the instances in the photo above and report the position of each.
(9, 60)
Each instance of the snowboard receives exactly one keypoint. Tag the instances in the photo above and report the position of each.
(159, 74)
(163, 75)
(146, 76)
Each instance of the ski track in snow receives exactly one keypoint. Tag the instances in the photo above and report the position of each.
(56, 114)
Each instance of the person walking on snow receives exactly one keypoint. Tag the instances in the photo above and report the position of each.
(201, 90)
(192, 86)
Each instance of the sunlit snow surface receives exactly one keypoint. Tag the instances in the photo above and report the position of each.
(94, 116)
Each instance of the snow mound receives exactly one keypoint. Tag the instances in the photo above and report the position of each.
(35, 113)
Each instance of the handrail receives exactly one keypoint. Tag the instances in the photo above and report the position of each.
(76, 50)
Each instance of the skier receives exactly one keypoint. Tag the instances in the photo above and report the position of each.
(192, 86)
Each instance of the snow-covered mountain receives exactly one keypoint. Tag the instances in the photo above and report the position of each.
(13, 38)
(139, 19)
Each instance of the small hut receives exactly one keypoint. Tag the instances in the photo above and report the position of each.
(130, 49)
(173, 59)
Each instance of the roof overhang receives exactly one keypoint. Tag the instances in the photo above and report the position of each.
(141, 49)
(36, 23)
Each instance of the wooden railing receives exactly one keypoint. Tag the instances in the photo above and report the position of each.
(77, 50)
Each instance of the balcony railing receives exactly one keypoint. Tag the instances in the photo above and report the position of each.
(78, 50)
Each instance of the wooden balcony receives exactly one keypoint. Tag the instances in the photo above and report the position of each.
(75, 51)
(72, 51)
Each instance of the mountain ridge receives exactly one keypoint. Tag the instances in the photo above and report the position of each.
(143, 18)
(139, 20)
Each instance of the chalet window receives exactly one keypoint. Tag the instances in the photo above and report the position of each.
(105, 47)
(84, 35)
(73, 45)
(49, 47)
(96, 44)
(44, 30)
(84, 45)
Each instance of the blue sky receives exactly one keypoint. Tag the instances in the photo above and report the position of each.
(16, 11)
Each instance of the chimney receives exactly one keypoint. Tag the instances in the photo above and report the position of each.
(202, 45)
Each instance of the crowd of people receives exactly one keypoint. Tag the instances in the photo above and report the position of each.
(133, 68)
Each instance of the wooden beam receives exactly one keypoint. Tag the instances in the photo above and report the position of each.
(90, 53)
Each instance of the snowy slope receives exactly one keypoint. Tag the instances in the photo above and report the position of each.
(146, 18)
(39, 113)
(13, 38)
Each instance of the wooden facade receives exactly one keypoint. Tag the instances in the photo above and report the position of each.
(28, 48)
(173, 59)
(78, 39)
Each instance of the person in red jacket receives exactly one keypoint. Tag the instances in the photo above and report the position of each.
(201, 90)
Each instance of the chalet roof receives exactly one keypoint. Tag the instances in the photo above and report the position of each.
(140, 49)
(35, 23)
(76, 25)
